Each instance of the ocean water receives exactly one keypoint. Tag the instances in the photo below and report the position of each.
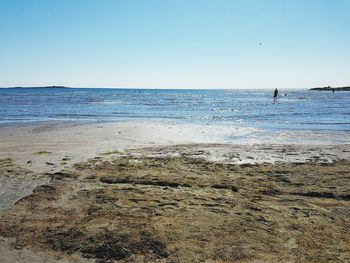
(294, 110)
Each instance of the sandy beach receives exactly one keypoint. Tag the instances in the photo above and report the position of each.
(169, 192)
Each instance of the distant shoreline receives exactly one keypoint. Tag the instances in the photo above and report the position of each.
(43, 87)
(331, 88)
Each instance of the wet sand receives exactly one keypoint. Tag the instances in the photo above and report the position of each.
(48, 147)
(159, 197)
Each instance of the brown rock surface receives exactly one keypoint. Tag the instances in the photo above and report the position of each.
(184, 209)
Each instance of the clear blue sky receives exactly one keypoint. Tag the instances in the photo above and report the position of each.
(175, 43)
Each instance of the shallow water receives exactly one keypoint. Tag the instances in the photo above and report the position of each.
(298, 110)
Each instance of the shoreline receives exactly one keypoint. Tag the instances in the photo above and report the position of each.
(46, 148)
(54, 141)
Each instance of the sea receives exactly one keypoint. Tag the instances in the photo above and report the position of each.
(293, 110)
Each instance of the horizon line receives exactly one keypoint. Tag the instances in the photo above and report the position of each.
(145, 88)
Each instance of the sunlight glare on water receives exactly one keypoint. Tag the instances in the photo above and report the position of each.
(300, 110)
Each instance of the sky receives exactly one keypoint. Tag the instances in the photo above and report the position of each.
(218, 44)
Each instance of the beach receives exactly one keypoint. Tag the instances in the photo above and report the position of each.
(174, 131)
(169, 192)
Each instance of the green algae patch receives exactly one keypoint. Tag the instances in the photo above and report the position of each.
(110, 153)
(42, 153)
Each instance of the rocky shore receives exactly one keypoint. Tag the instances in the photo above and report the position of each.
(139, 208)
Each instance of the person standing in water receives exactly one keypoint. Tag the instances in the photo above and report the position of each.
(275, 94)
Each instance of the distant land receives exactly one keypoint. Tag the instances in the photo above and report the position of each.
(44, 87)
(332, 89)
